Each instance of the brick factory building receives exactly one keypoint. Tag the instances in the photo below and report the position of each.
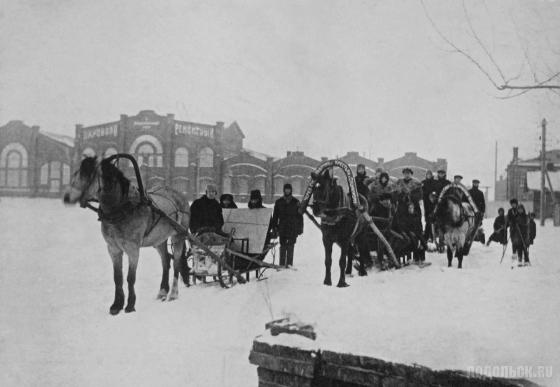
(33, 162)
(182, 154)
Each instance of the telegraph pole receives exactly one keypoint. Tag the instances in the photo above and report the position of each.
(543, 171)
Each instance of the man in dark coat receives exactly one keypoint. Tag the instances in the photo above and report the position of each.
(288, 224)
(206, 213)
(441, 181)
(361, 178)
(478, 197)
(380, 197)
(255, 199)
(532, 228)
(429, 185)
(409, 190)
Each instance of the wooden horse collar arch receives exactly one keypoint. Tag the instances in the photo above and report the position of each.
(349, 178)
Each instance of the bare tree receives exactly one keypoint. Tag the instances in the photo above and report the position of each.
(487, 64)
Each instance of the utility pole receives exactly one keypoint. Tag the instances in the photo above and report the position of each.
(543, 171)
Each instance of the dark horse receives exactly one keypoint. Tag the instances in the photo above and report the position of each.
(456, 219)
(339, 224)
(128, 223)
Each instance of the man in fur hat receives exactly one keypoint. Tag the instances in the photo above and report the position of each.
(255, 200)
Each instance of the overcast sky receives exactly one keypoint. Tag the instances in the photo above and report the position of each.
(324, 77)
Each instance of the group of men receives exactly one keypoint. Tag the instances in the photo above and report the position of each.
(286, 223)
(406, 194)
(522, 232)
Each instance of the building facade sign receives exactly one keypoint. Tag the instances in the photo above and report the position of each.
(193, 130)
(101, 131)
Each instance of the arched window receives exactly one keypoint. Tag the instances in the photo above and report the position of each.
(145, 155)
(181, 157)
(53, 175)
(110, 152)
(147, 150)
(13, 166)
(206, 158)
(88, 152)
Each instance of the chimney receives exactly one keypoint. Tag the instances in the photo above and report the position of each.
(410, 154)
(515, 153)
(380, 160)
(288, 153)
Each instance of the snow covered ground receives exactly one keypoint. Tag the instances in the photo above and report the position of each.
(56, 287)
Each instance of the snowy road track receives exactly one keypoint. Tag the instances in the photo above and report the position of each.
(56, 286)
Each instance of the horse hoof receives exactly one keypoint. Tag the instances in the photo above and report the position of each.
(114, 311)
(363, 273)
(172, 297)
(162, 295)
(342, 285)
(327, 282)
(129, 309)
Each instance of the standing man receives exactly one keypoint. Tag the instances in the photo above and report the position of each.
(206, 213)
(288, 224)
(478, 197)
(441, 181)
(380, 196)
(409, 191)
(360, 179)
(429, 185)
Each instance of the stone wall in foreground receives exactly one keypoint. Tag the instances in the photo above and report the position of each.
(280, 365)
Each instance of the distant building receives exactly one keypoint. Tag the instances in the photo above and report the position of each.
(523, 179)
(33, 162)
(418, 165)
(182, 154)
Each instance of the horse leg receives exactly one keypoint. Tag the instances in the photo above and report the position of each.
(178, 255)
(364, 254)
(328, 262)
(460, 257)
(342, 265)
(116, 257)
(350, 259)
(133, 255)
(449, 256)
(165, 263)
